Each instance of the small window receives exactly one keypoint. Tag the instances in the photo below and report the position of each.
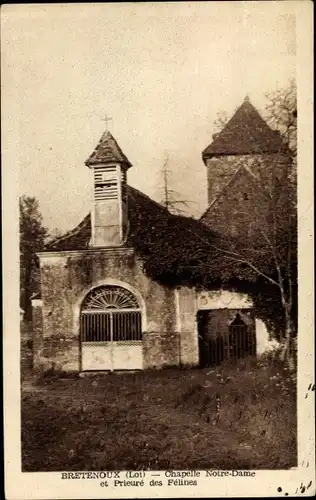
(245, 196)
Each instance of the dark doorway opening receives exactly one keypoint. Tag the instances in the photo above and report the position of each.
(223, 336)
(211, 348)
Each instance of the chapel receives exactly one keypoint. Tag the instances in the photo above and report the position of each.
(99, 309)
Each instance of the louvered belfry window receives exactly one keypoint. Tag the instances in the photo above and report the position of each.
(124, 185)
(110, 313)
(105, 183)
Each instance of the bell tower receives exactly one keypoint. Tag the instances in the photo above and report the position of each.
(246, 140)
(109, 214)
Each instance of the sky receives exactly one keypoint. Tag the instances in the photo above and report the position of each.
(162, 71)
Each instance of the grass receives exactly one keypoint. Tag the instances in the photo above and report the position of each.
(162, 420)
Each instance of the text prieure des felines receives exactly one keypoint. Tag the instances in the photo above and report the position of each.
(174, 478)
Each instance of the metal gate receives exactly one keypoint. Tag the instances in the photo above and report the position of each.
(233, 341)
(241, 339)
(110, 330)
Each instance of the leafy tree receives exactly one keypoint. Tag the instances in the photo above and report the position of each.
(32, 236)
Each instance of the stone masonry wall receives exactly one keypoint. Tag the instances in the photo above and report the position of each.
(66, 279)
(244, 207)
(220, 169)
(37, 331)
(189, 347)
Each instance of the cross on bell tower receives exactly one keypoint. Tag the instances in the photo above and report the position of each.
(106, 119)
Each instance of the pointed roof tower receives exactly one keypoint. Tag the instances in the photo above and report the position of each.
(107, 151)
(245, 133)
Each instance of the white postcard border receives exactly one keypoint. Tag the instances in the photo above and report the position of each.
(44, 485)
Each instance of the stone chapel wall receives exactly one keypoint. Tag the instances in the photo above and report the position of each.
(67, 277)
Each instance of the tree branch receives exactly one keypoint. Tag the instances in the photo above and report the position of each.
(234, 256)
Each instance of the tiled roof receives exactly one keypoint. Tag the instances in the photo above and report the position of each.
(107, 151)
(148, 221)
(245, 133)
(79, 238)
(171, 247)
(76, 239)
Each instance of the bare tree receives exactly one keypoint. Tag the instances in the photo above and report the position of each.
(281, 113)
(264, 245)
(171, 198)
(220, 121)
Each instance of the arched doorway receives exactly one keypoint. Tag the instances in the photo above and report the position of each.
(111, 330)
(241, 339)
(225, 334)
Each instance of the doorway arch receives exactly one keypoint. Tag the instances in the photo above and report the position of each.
(111, 329)
(241, 339)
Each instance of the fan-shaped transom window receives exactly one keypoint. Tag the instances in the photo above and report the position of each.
(109, 297)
